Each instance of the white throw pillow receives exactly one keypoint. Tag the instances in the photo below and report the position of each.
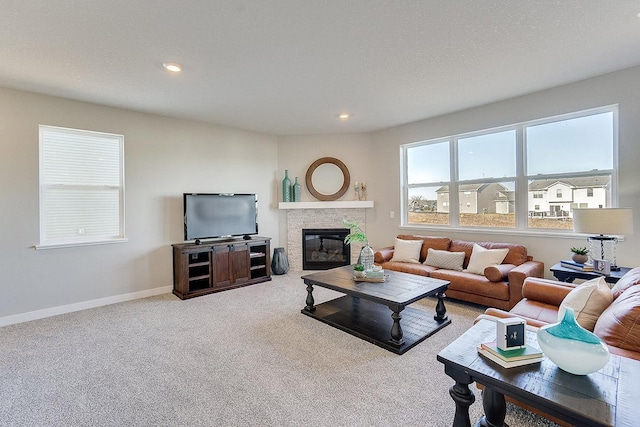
(407, 251)
(445, 259)
(482, 258)
(588, 301)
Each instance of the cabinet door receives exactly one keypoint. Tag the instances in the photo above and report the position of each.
(240, 263)
(221, 267)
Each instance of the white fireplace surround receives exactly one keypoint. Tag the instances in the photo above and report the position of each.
(320, 215)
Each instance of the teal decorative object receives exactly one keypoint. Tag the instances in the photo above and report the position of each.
(286, 187)
(297, 191)
(571, 347)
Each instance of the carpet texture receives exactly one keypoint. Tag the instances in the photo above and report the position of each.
(245, 357)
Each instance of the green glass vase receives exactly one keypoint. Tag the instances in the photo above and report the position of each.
(286, 187)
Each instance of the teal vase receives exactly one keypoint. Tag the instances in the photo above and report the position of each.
(571, 347)
(286, 187)
(297, 191)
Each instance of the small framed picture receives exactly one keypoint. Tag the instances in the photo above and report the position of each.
(601, 266)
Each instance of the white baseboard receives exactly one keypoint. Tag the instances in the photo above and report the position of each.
(70, 308)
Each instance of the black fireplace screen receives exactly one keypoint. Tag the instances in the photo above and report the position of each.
(324, 248)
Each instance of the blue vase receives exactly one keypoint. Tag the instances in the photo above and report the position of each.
(296, 191)
(571, 347)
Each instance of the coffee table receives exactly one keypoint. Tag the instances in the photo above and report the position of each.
(378, 312)
(604, 398)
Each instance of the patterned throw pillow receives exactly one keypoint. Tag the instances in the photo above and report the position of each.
(445, 259)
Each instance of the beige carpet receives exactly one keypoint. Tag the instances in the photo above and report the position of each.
(245, 357)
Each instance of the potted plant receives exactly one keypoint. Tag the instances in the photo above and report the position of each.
(357, 235)
(358, 270)
(580, 254)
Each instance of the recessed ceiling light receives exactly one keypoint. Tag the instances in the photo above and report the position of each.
(344, 116)
(172, 67)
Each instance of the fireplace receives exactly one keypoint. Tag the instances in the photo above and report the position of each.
(324, 248)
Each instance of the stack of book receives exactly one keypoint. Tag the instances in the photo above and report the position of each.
(576, 265)
(510, 358)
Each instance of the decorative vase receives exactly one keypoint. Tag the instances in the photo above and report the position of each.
(286, 187)
(296, 192)
(366, 257)
(571, 347)
(279, 262)
(580, 258)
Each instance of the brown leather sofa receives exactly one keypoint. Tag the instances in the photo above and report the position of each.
(618, 326)
(500, 286)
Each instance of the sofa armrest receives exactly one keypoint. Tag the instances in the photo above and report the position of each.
(517, 277)
(545, 290)
(383, 255)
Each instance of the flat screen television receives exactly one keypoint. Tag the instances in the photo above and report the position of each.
(219, 215)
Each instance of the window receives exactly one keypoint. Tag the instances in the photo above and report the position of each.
(81, 187)
(525, 176)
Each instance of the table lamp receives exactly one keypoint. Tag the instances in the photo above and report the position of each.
(606, 224)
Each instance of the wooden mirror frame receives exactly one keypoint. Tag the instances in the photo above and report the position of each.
(345, 184)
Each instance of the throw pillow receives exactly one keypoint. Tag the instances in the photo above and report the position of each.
(445, 259)
(407, 251)
(482, 258)
(588, 301)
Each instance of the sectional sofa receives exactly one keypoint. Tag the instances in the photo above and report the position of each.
(492, 284)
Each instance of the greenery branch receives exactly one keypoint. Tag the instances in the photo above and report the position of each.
(580, 251)
(356, 235)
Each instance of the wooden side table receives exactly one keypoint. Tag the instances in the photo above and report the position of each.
(568, 275)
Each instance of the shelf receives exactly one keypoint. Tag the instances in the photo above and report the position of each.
(352, 204)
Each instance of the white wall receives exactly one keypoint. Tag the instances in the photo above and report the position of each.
(297, 153)
(164, 157)
(621, 88)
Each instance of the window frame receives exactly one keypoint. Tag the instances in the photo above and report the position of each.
(44, 185)
(521, 180)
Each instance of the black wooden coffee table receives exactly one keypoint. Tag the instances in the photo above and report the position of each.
(604, 398)
(378, 312)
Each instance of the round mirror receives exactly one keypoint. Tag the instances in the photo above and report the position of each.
(327, 179)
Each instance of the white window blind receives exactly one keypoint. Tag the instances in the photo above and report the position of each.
(81, 187)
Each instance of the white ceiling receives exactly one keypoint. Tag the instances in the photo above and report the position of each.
(289, 67)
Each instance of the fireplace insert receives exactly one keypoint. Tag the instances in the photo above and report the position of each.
(324, 248)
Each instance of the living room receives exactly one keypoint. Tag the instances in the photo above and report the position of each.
(168, 156)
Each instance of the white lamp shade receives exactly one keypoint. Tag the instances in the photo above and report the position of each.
(606, 221)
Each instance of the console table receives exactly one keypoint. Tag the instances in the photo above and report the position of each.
(603, 398)
(565, 274)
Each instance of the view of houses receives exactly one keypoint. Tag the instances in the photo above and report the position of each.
(548, 198)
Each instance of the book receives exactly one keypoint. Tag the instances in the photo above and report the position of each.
(524, 353)
(508, 364)
(576, 265)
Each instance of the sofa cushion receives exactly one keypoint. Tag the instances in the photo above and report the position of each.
(445, 259)
(439, 243)
(517, 254)
(619, 324)
(588, 301)
(407, 251)
(631, 278)
(473, 284)
(406, 267)
(482, 258)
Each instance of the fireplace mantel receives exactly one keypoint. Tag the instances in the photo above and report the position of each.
(349, 204)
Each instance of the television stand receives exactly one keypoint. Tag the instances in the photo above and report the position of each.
(207, 267)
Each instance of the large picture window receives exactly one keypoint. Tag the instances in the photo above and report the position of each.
(524, 176)
(81, 187)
